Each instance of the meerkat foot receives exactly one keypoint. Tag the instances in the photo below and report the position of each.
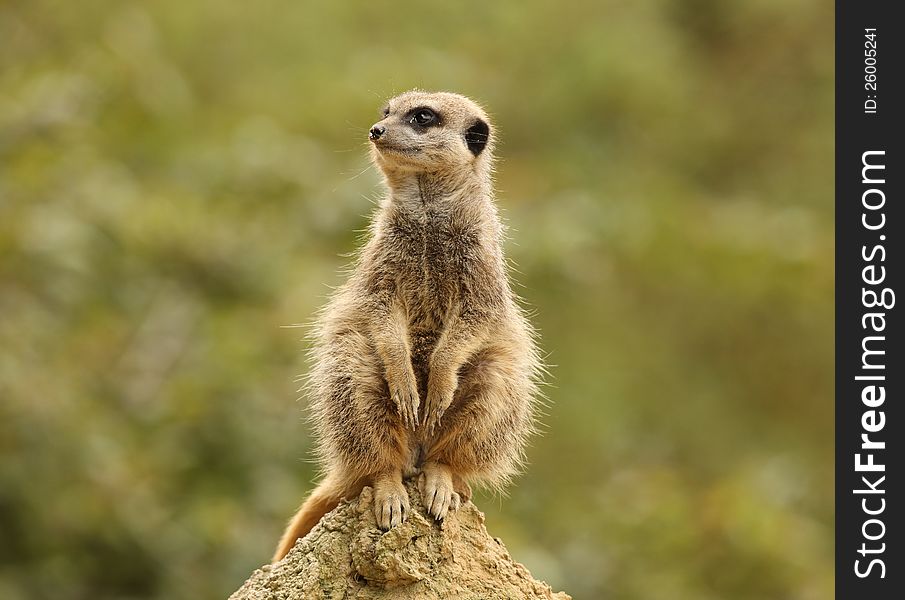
(391, 501)
(436, 485)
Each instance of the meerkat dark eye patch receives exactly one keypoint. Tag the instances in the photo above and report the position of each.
(476, 136)
(386, 111)
(424, 117)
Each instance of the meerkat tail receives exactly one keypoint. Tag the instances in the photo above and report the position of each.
(325, 497)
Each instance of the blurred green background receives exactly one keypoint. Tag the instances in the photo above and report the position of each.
(179, 181)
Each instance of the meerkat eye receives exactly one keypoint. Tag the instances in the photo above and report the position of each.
(424, 117)
(386, 111)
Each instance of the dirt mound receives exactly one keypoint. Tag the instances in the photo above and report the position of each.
(347, 556)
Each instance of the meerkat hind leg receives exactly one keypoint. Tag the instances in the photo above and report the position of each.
(461, 487)
(436, 485)
(391, 501)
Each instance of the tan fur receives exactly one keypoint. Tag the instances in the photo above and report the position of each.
(423, 363)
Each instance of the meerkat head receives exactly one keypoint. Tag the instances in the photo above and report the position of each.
(422, 132)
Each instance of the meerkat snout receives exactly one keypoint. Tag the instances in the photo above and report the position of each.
(376, 132)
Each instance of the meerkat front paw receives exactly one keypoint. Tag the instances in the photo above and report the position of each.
(391, 502)
(436, 485)
(404, 393)
(439, 398)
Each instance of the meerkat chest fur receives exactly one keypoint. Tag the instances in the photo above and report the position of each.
(434, 249)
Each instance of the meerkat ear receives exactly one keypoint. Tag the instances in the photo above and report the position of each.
(476, 136)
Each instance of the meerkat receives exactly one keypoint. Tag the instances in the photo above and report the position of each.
(423, 362)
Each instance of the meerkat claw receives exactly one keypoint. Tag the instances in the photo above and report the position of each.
(403, 408)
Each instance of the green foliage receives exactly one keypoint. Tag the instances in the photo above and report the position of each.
(178, 181)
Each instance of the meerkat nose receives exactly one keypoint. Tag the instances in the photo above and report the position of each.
(376, 132)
